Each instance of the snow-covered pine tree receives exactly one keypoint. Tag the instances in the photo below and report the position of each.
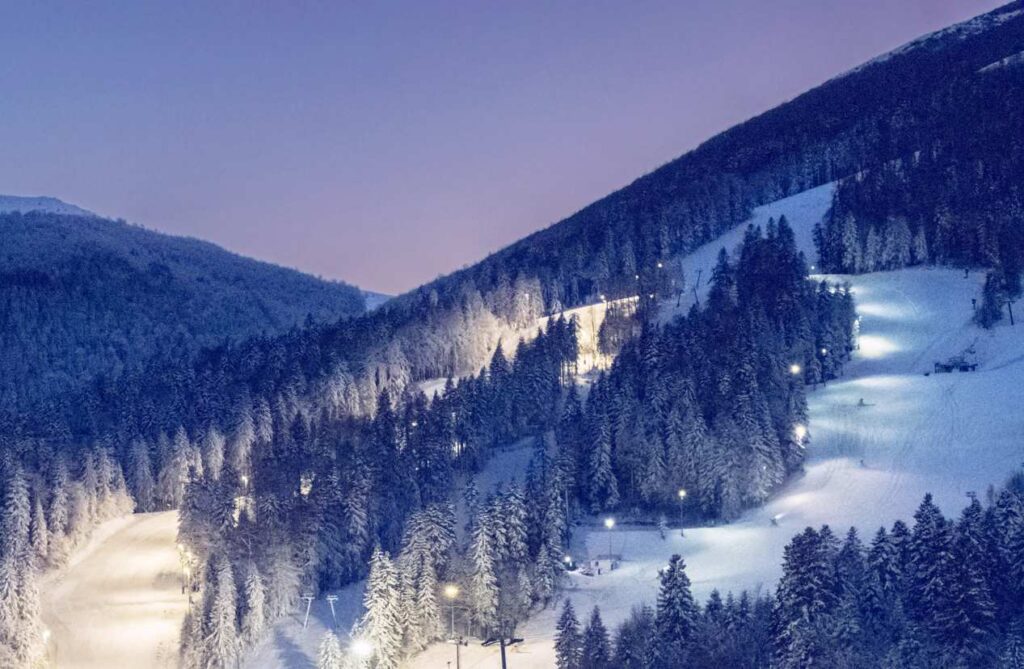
(603, 487)
(677, 615)
(20, 622)
(545, 574)
(329, 654)
(213, 452)
(483, 591)
(930, 559)
(568, 644)
(596, 646)
(140, 476)
(920, 248)
(254, 614)
(39, 535)
(221, 644)
(381, 621)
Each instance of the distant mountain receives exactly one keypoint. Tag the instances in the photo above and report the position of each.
(82, 296)
(12, 203)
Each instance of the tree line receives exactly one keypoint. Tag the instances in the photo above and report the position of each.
(940, 592)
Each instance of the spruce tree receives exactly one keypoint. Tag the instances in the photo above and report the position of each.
(677, 615)
(222, 645)
(254, 615)
(568, 645)
(381, 622)
(483, 579)
(596, 646)
(329, 654)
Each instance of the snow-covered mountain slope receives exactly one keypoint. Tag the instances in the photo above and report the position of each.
(119, 603)
(803, 211)
(941, 38)
(10, 203)
(948, 434)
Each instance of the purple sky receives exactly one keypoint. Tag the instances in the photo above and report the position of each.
(385, 145)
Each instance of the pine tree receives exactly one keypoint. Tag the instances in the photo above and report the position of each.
(568, 645)
(928, 573)
(254, 616)
(329, 655)
(596, 646)
(546, 572)
(1012, 656)
(140, 473)
(213, 452)
(20, 622)
(677, 615)
(381, 623)
(920, 249)
(483, 579)
(603, 487)
(39, 535)
(221, 644)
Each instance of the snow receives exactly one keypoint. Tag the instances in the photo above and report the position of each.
(947, 434)
(959, 31)
(10, 203)
(1010, 61)
(802, 211)
(291, 645)
(118, 603)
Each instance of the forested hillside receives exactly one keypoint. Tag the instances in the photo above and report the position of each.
(937, 95)
(82, 296)
(303, 458)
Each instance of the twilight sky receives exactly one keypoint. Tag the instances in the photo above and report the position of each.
(385, 143)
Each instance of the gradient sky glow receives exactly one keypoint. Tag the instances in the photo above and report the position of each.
(386, 143)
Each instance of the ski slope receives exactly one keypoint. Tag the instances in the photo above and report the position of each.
(119, 602)
(947, 434)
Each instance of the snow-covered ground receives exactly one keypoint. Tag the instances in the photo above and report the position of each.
(802, 211)
(948, 434)
(119, 602)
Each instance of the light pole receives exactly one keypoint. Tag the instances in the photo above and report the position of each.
(609, 523)
(682, 499)
(451, 592)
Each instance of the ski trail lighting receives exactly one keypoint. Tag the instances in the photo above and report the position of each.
(681, 494)
(362, 648)
(609, 523)
(800, 431)
(795, 369)
(451, 591)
